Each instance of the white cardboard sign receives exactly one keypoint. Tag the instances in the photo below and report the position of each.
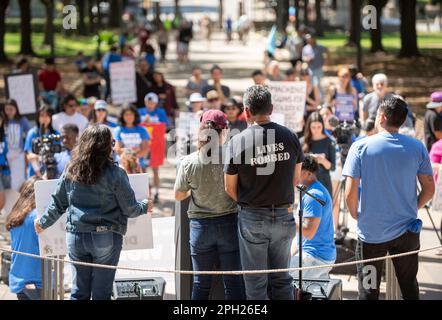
(53, 240)
(123, 82)
(21, 88)
(289, 99)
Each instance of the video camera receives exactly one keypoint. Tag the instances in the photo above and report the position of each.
(344, 133)
(46, 148)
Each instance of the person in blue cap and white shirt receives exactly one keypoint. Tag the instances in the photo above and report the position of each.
(387, 165)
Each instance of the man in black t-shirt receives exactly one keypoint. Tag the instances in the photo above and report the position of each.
(432, 121)
(264, 164)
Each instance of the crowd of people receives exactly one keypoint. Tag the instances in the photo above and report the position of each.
(241, 214)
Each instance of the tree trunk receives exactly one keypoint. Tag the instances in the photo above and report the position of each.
(177, 10)
(25, 27)
(81, 4)
(90, 4)
(376, 33)
(306, 22)
(318, 23)
(408, 29)
(220, 14)
(49, 23)
(355, 22)
(99, 15)
(297, 24)
(282, 14)
(3, 6)
(115, 13)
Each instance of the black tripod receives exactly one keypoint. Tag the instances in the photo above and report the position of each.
(301, 294)
(339, 197)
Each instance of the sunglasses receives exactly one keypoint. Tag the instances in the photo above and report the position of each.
(70, 105)
(213, 100)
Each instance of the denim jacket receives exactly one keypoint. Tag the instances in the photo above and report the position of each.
(103, 206)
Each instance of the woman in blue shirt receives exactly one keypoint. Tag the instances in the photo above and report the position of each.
(43, 128)
(16, 129)
(98, 199)
(25, 273)
(130, 135)
(5, 173)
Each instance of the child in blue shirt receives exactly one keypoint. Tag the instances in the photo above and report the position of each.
(129, 134)
(5, 173)
(25, 273)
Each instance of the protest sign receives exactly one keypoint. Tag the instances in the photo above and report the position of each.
(52, 241)
(22, 88)
(186, 134)
(157, 132)
(123, 83)
(289, 99)
(344, 107)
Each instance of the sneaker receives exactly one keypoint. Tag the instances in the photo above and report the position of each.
(156, 199)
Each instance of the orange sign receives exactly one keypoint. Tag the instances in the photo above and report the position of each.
(157, 133)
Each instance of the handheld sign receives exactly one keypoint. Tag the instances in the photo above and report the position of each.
(344, 107)
(186, 134)
(289, 99)
(437, 198)
(123, 83)
(52, 241)
(22, 88)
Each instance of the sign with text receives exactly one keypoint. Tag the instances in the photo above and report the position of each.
(289, 99)
(123, 83)
(52, 241)
(344, 107)
(437, 198)
(22, 88)
(187, 126)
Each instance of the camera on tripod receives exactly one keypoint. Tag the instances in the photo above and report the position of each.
(344, 133)
(46, 148)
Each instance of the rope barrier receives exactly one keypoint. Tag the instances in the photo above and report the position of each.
(242, 272)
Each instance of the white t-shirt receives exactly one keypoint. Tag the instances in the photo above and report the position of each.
(60, 119)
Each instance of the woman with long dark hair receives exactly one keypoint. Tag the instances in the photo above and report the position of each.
(321, 146)
(213, 215)
(99, 114)
(16, 129)
(25, 272)
(43, 128)
(96, 194)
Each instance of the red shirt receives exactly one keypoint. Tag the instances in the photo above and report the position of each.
(49, 79)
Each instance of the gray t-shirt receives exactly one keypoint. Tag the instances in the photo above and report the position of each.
(372, 102)
(206, 182)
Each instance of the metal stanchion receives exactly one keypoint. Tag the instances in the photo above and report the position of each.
(52, 279)
(61, 279)
(393, 291)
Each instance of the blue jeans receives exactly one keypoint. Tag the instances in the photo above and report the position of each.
(311, 261)
(93, 247)
(212, 241)
(265, 238)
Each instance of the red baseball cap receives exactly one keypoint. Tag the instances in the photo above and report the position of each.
(216, 116)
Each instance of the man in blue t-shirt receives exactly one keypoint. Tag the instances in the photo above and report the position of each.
(387, 165)
(318, 245)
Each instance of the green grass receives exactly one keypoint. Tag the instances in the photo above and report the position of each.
(426, 41)
(64, 46)
(69, 46)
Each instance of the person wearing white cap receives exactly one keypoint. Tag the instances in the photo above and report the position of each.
(195, 102)
(99, 115)
(151, 113)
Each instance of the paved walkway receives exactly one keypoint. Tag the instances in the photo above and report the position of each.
(238, 62)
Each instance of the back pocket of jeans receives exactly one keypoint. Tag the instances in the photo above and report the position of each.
(103, 241)
(251, 231)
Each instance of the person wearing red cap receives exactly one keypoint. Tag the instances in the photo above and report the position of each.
(212, 213)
